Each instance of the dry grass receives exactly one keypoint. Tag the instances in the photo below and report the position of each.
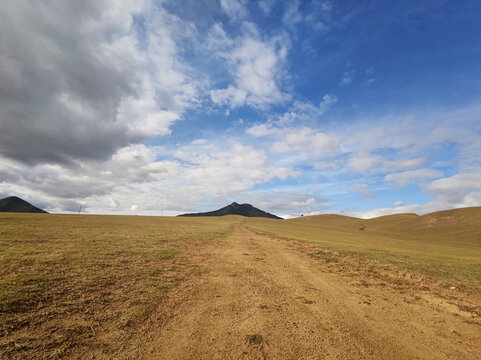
(68, 282)
(444, 245)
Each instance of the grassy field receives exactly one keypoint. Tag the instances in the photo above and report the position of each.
(73, 282)
(445, 245)
(61, 276)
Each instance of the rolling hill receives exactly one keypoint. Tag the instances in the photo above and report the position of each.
(445, 244)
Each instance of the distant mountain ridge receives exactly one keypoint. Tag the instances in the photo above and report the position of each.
(17, 205)
(237, 209)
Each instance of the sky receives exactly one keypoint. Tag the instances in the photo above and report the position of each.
(361, 108)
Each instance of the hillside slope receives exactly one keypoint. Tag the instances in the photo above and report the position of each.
(15, 204)
(445, 244)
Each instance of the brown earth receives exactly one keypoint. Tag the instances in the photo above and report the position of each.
(258, 297)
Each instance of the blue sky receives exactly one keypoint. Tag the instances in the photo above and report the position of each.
(362, 108)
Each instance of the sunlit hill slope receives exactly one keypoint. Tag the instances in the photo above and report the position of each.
(445, 244)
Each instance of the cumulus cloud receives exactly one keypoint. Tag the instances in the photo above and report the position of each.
(135, 176)
(260, 130)
(234, 169)
(129, 165)
(455, 189)
(288, 137)
(257, 67)
(86, 90)
(316, 144)
(84, 86)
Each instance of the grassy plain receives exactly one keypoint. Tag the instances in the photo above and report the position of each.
(61, 276)
(70, 283)
(445, 245)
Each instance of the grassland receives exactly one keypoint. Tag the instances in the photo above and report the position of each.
(61, 276)
(443, 245)
(70, 283)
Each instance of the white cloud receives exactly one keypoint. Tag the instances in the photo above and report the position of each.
(362, 163)
(471, 199)
(402, 179)
(217, 39)
(301, 112)
(261, 130)
(235, 169)
(292, 16)
(266, 6)
(417, 209)
(233, 8)
(307, 140)
(348, 76)
(402, 164)
(328, 165)
(84, 85)
(362, 189)
(327, 101)
(199, 142)
(257, 68)
(317, 15)
(135, 176)
(286, 203)
(455, 189)
(298, 113)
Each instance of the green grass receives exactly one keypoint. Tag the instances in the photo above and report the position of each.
(444, 245)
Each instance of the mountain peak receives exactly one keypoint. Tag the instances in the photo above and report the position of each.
(237, 209)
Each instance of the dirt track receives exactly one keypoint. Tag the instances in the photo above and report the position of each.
(258, 297)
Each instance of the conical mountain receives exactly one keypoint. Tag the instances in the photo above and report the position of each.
(237, 209)
(15, 204)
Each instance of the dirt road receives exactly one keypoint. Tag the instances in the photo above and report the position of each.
(258, 297)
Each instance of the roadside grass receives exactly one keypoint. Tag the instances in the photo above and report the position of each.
(445, 246)
(72, 281)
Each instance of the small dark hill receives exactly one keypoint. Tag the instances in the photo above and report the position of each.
(15, 204)
(237, 209)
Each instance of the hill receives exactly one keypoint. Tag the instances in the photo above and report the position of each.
(444, 244)
(237, 209)
(15, 204)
